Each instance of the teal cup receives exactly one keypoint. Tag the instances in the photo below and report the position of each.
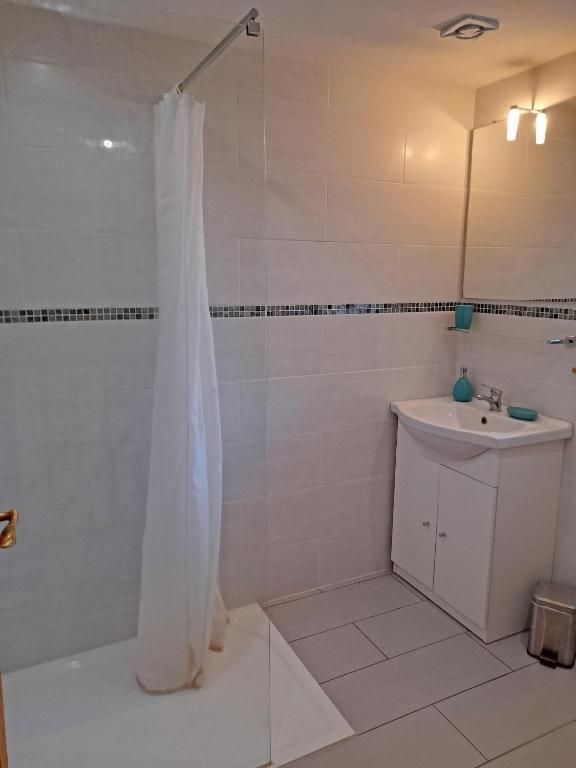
(463, 316)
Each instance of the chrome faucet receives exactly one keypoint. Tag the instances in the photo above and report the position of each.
(494, 399)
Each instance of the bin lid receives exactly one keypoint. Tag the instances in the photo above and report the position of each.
(560, 597)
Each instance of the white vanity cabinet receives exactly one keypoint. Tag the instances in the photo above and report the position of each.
(476, 535)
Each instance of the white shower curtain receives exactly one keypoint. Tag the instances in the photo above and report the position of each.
(180, 604)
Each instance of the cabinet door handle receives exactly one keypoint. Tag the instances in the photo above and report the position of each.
(442, 535)
(426, 525)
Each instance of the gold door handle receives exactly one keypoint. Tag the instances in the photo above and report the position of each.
(8, 535)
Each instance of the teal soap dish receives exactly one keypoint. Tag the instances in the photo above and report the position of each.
(526, 414)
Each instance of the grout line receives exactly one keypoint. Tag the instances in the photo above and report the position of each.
(478, 685)
(324, 590)
(485, 647)
(337, 677)
(413, 650)
(410, 588)
(338, 626)
(491, 760)
(361, 580)
(386, 657)
(323, 484)
(430, 704)
(421, 647)
(277, 601)
(465, 630)
(461, 734)
(447, 698)
(530, 741)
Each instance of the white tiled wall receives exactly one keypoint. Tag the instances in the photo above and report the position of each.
(365, 177)
(76, 229)
(511, 353)
(361, 201)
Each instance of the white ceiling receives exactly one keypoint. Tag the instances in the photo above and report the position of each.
(379, 34)
(395, 34)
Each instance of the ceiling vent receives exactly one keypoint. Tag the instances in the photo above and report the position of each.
(467, 27)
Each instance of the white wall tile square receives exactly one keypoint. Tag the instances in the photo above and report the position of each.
(41, 35)
(429, 273)
(297, 137)
(297, 80)
(244, 528)
(75, 88)
(295, 206)
(436, 154)
(223, 270)
(331, 273)
(233, 201)
(76, 358)
(3, 112)
(87, 269)
(352, 555)
(50, 190)
(294, 462)
(244, 470)
(252, 256)
(294, 346)
(240, 348)
(10, 286)
(372, 211)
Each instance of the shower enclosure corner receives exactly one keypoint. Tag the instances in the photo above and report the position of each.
(81, 231)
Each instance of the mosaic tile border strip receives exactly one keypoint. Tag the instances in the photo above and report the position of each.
(302, 310)
(526, 310)
(76, 314)
(556, 301)
(92, 314)
(238, 310)
(296, 310)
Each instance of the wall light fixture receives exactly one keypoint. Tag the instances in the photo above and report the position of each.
(513, 121)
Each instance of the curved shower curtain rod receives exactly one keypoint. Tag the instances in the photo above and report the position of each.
(247, 23)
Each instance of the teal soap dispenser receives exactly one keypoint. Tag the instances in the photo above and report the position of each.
(462, 389)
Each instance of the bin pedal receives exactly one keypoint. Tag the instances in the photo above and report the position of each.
(549, 658)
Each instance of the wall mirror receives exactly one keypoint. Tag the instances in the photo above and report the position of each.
(521, 227)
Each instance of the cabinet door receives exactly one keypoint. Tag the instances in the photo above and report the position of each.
(466, 510)
(415, 505)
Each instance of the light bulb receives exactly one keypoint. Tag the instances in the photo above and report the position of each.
(540, 126)
(512, 123)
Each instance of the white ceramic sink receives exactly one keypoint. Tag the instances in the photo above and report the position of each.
(464, 430)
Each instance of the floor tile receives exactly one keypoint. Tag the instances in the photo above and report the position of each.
(385, 691)
(337, 607)
(409, 628)
(557, 749)
(506, 713)
(336, 652)
(438, 745)
(511, 650)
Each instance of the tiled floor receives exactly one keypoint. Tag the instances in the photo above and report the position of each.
(422, 692)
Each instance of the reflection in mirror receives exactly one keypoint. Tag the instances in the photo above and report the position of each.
(521, 232)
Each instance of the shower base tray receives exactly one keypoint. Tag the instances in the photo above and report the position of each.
(87, 710)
